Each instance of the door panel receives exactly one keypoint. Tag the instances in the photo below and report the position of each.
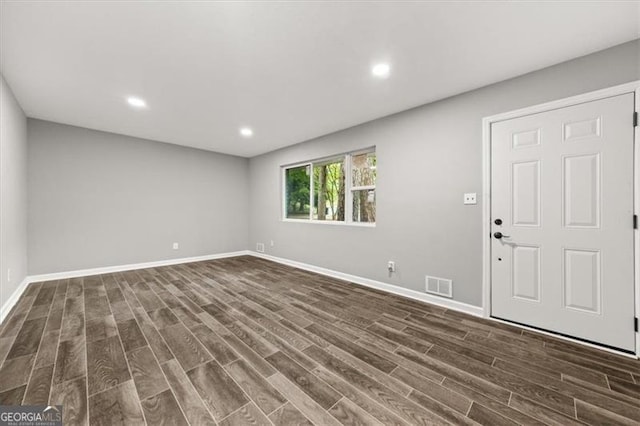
(526, 272)
(581, 194)
(526, 139)
(562, 183)
(581, 129)
(525, 195)
(581, 280)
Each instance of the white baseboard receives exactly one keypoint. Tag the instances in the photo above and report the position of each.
(379, 285)
(131, 267)
(13, 299)
(15, 296)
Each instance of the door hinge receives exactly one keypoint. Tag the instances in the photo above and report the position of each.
(635, 324)
(635, 119)
(635, 221)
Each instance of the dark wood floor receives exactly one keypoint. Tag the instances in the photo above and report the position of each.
(246, 341)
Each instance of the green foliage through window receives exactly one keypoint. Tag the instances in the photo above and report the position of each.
(298, 196)
(364, 171)
(340, 189)
(328, 190)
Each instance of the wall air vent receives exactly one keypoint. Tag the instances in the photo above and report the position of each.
(439, 286)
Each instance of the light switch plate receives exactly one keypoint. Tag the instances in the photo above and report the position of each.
(470, 198)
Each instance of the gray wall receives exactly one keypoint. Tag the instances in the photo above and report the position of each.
(13, 187)
(99, 199)
(427, 158)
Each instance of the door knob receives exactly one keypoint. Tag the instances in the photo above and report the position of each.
(498, 221)
(500, 235)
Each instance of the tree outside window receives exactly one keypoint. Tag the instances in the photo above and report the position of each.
(340, 189)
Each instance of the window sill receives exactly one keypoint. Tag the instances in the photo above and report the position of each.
(332, 223)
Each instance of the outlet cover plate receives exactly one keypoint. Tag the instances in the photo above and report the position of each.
(470, 198)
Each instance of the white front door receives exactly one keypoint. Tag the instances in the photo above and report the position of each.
(562, 198)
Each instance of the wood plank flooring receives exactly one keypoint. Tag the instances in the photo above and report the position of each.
(246, 341)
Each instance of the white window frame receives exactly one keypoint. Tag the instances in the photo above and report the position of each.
(348, 196)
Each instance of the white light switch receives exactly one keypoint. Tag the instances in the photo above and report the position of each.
(470, 198)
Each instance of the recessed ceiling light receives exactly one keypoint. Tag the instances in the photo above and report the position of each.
(136, 102)
(381, 70)
(246, 132)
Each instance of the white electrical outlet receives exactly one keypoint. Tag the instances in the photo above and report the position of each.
(391, 266)
(272, 243)
(176, 246)
(260, 247)
(470, 198)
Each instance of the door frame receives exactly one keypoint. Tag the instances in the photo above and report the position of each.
(632, 87)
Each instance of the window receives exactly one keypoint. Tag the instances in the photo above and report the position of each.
(340, 189)
(363, 186)
(328, 190)
(298, 180)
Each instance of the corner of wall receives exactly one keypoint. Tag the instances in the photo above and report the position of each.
(13, 198)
